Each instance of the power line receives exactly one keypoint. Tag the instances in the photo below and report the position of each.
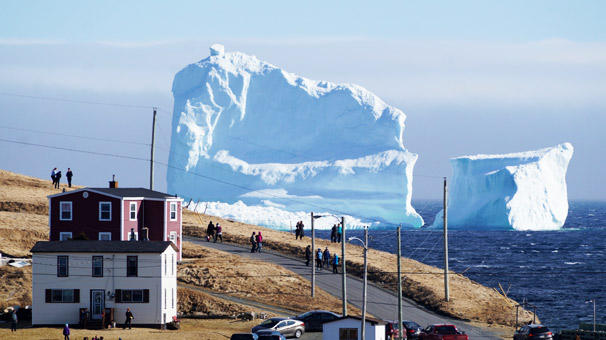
(75, 136)
(77, 101)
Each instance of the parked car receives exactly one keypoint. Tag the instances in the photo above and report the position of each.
(315, 319)
(533, 332)
(442, 332)
(412, 329)
(244, 336)
(288, 327)
(267, 334)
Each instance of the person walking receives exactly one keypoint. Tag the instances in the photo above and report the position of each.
(333, 234)
(301, 232)
(57, 179)
(326, 257)
(253, 242)
(210, 231)
(129, 318)
(319, 258)
(14, 321)
(307, 255)
(297, 230)
(54, 176)
(66, 332)
(218, 232)
(69, 174)
(339, 233)
(335, 264)
(259, 242)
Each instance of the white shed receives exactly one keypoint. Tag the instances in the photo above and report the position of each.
(349, 328)
(78, 281)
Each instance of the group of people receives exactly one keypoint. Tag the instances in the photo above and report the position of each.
(299, 230)
(336, 232)
(256, 242)
(214, 232)
(56, 177)
(323, 259)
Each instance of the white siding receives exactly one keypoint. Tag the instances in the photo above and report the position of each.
(150, 276)
(330, 330)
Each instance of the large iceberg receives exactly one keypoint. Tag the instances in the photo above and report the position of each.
(244, 130)
(521, 191)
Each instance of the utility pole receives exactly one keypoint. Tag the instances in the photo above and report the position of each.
(151, 159)
(399, 283)
(446, 288)
(365, 283)
(344, 268)
(313, 256)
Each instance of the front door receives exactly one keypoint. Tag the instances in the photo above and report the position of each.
(97, 303)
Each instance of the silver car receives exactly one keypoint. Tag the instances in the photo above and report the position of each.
(287, 327)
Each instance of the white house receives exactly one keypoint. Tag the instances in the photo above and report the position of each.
(104, 277)
(349, 328)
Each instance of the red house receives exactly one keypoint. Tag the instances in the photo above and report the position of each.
(112, 213)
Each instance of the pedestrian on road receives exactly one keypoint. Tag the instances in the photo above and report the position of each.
(129, 318)
(253, 242)
(69, 174)
(333, 234)
(219, 232)
(339, 233)
(259, 242)
(66, 332)
(335, 264)
(14, 321)
(307, 255)
(326, 257)
(54, 176)
(319, 258)
(210, 231)
(57, 179)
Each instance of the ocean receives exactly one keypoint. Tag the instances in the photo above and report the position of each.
(556, 271)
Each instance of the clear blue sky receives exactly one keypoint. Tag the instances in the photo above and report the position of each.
(472, 76)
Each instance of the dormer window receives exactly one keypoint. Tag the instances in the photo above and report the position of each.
(173, 211)
(105, 211)
(133, 211)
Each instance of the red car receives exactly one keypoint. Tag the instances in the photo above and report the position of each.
(442, 332)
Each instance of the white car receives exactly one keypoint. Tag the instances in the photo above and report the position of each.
(287, 327)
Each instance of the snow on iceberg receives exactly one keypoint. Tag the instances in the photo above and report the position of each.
(246, 130)
(521, 191)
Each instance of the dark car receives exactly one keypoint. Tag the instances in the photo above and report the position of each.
(533, 332)
(412, 329)
(287, 327)
(315, 319)
(267, 334)
(244, 336)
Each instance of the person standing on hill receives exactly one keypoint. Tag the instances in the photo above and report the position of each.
(259, 242)
(66, 332)
(253, 242)
(307, 255)
(54, 176)
(14, 321)
(301, 232)
(297, 231)
(57, 179)
(335, 264)
(333, 234)
(69, 174)
(326, 257)
(339, 233)
(218, 232)
(210, 231)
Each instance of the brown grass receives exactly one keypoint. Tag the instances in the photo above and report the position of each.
(216, 329)
(15, 286)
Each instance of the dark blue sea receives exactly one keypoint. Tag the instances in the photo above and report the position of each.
(556, 271)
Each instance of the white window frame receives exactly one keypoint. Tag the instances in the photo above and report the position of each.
(110, 211)
(65, 233)
(71, 211)
(171, 235)
(136, 236)
(105, 233)
(170, 212)
(131, 211)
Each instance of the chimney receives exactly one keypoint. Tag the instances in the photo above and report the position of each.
(144, 234)
(113, 183)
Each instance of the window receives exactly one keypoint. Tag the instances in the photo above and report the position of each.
(133, 234)
(348, 334)
(173, 237)
(62, 295)
(105, 211)
(132, 295)
(97, 266)
(173, 211)
(131, 266)
(65, 235)
(133, 211)
(105, 236)
(65, 211)
(62, 266)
